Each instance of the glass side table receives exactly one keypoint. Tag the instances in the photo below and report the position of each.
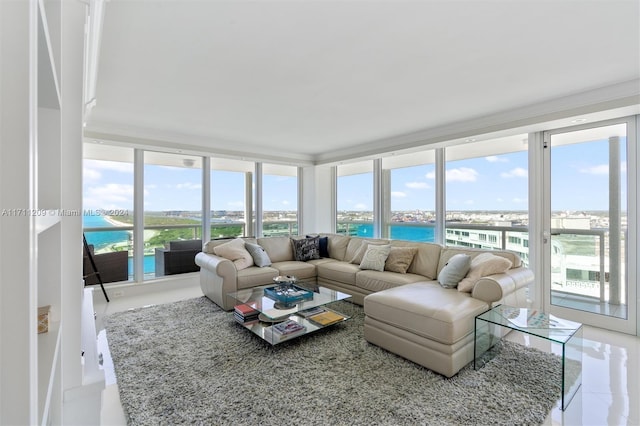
(495, 323)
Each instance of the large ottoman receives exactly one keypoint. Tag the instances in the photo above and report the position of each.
(424, 323)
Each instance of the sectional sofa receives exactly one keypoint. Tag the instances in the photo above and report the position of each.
(407, 310)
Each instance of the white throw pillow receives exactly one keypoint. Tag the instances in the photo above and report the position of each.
(375, 257)
(234, 251)
(483, 265)
(454, 270)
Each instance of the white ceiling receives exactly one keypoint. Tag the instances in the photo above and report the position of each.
(321, 81)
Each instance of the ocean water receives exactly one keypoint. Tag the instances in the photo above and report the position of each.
(398, 232)
(101, 240)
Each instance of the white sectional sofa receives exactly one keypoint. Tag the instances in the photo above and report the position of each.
(407, 312)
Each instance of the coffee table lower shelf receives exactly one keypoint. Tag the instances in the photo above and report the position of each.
(264, 329)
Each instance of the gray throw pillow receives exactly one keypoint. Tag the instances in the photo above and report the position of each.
(454, 270)
(260, 257)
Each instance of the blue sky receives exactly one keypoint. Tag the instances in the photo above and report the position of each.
(579, 175)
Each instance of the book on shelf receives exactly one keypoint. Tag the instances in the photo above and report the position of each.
(245, 309)
(284, 330)
(245, 320)
(311, 311)
(326, 318)
(245, 314)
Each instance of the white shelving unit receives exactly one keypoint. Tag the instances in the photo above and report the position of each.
(41, 113)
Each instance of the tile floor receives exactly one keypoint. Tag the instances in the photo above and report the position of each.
(610, 392)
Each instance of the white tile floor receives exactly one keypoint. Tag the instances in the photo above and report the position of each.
(610, 392)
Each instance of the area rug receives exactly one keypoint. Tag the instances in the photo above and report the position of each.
(189, 363)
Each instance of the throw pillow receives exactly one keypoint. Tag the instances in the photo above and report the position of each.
(234, 251)
(357, 258)
(306, 248)
(483, 265)
(399, 259)
(454, 270)
(260, 257)
(324, 245)
(375, 257)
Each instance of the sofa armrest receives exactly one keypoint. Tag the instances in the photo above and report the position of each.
(497, 287)
(218, 277)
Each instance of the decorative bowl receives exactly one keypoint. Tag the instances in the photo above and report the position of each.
(288, 279)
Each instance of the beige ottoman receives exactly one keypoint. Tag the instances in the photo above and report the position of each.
(425, 323)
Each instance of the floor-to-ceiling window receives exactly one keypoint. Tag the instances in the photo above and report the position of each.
(587, 222)
(409, 196)
(486, 192)
(279, 200)
(172, 203)
(354, 199)
(231, 197)
(107, 202)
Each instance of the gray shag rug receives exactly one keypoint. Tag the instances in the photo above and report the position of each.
(189, 363)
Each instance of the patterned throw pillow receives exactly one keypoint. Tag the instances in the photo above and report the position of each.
(306, 248)
(357, 258)
(375, 257)
(260, 257)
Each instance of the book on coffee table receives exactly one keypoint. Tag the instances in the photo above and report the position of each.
(326, 318)
(284, 330)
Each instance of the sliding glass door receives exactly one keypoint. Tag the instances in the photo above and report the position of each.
(586, 235)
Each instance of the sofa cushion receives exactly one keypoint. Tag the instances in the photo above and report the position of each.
(306, 248)
(483, 265)
(373, 281)
(454, 271)
(426, 309)
(400, 259)
(337, 245)
(300, 270)
(234, 251)
(254, 276)
(375, 257)
(278, 248)
(259, 255)
(341, 272)
(425, 262)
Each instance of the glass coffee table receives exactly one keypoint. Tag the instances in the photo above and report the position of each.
(493, 324)
(260, 310)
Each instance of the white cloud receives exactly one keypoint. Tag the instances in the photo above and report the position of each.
(600, 169)
(285, 202)
(496, 159)
(463, 174)
(517, 172)
(236, 204)
(520, 200)
(360, 206)
(90, 175)
(187, 185)
(469, 202)
(108, 196)
(398, 194)
(417, 185)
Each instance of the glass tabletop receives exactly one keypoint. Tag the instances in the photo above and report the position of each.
(532, 321)
(260, 300)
